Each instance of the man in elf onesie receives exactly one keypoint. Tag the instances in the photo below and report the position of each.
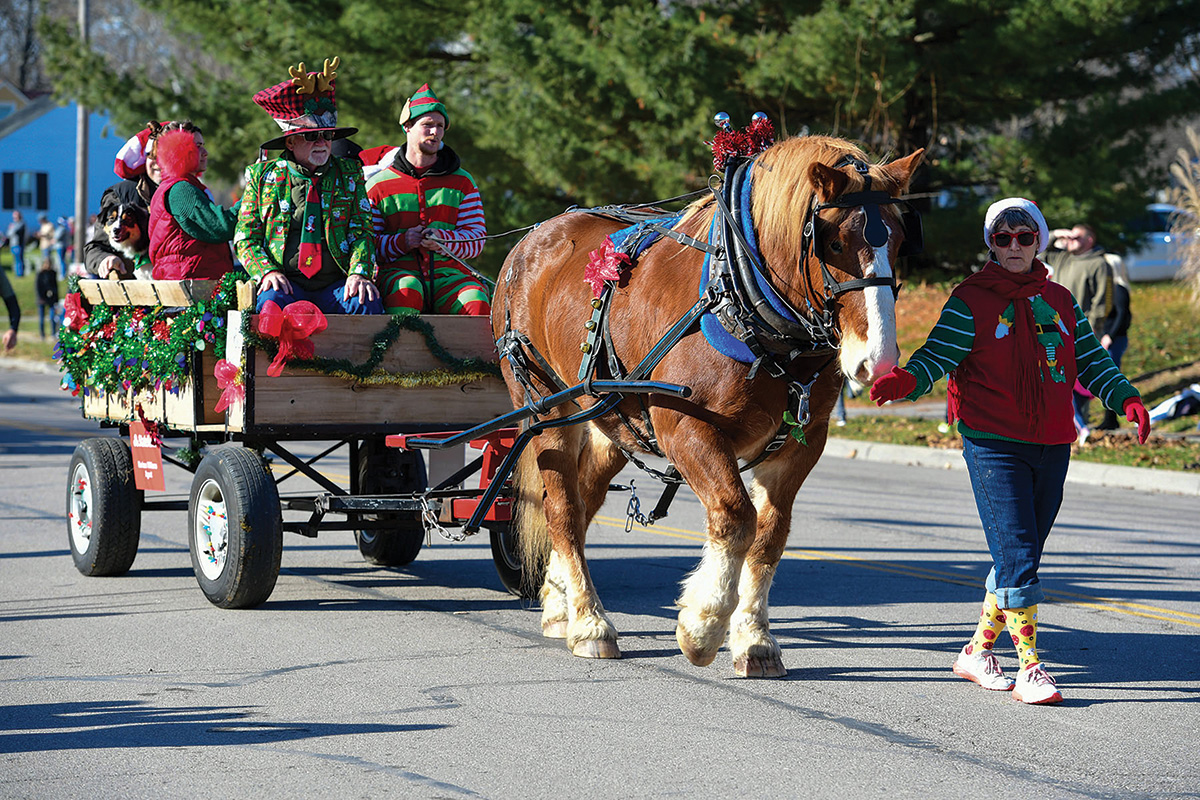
(303, 231)
(427, 217)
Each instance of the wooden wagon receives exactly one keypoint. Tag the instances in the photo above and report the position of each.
(237, 433)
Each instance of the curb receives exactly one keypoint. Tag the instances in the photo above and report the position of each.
(29, 365)
(1136, 478)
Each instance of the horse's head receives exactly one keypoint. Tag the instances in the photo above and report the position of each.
(854, 236)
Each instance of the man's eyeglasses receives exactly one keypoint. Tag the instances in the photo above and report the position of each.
(1024, 238)
(312, 136)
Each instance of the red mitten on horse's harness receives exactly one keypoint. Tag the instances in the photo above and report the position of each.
(1136, 412)
(893, 386)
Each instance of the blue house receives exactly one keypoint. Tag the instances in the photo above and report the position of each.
(37, 159)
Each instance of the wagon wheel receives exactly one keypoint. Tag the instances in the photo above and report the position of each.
(104, 507)
(506, 554)
(235, 528)
(388, 470)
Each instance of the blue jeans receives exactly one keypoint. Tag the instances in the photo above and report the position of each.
(1018, 490)
(18, 254)
(61, 254)
(329, 300)
(45, 311)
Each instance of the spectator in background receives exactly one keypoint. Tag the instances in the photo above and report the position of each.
(47, 297)
(1080, 265)
(16, 243)
(1115, 336)
(47, 235)
(60, 245)
(14, 312)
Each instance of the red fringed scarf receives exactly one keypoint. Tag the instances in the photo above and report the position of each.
(1019, 288)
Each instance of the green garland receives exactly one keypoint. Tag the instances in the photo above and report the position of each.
(457, 370)
(139, 347)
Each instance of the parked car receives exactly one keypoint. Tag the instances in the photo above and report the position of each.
(1159, 255)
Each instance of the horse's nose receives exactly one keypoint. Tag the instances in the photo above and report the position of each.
(870, 369)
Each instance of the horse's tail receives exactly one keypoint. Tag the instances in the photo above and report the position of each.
(529, 521)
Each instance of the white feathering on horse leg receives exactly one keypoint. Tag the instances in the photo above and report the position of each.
(756, 653)
(706, 603)
(554, 599)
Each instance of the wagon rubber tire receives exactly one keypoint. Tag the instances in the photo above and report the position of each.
(386, 470)
(104, 507)
(235, 528)
(506, 554)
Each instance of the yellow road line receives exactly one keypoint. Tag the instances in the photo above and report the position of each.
(1086, 601)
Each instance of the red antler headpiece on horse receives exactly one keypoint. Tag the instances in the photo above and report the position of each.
(729, 143)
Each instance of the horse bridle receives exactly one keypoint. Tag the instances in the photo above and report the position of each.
(875, 232)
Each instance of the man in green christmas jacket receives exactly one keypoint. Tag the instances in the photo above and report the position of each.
(304, 230)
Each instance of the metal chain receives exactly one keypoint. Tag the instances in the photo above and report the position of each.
(633, 511)
(429, 519)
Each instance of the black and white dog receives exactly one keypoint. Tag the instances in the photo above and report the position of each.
(126, 227)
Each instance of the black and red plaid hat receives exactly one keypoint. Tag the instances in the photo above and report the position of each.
(303, 104)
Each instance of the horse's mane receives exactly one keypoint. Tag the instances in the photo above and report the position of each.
(782, 193)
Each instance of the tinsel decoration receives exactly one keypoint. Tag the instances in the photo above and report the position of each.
(117, 348)
(729, 143)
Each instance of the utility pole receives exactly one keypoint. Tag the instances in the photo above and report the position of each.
(81, 153)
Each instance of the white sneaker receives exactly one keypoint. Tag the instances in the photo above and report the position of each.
(983, 668)
(1084, 433)
(1035, 687)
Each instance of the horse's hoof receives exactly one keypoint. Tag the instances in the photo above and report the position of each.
(696, 655)
(555, 629)
(596, 648)
(768, 666)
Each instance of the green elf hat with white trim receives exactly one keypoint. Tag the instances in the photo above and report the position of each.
(421, 103)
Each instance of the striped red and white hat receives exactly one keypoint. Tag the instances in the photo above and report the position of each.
(131, 158)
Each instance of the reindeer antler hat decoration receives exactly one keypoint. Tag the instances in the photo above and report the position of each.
(304, 103)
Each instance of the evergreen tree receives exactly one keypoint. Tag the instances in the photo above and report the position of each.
(592, 102)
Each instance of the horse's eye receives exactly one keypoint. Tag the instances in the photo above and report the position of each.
(836, 246)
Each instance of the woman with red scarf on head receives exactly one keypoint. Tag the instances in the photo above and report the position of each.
(1013, 343)
(189, 233)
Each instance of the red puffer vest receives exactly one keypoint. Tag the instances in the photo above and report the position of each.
(176, 256)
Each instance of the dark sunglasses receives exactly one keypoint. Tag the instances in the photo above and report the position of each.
(313, 136)
(1024, 238)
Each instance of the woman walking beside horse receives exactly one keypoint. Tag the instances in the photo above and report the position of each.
(1013, 343)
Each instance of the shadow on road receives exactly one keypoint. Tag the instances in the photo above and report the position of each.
(44, 727)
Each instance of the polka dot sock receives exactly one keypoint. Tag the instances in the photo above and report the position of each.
(1022, 626)
(991, 623)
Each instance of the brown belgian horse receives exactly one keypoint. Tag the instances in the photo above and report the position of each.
(727, 417)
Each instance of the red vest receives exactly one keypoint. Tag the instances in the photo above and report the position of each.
(176, 256)
(984, 383)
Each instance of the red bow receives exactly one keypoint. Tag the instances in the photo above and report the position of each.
(74, 315)
(291, 326)
(604, 264)
(229, 380)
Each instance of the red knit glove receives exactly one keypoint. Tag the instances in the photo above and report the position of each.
(1136, 412)
(893, 386)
